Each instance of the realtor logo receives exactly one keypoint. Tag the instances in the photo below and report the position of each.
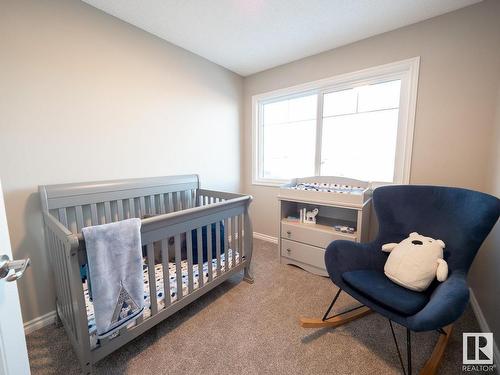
(478, 348)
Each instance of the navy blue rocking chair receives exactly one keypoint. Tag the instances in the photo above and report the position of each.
(461, 218)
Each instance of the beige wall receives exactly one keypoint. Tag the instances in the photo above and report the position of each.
(483, 277)
(459, 77)
(84, 96)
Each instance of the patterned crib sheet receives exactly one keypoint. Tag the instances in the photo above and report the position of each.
(160, 293)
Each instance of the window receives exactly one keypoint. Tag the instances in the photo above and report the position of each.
(358, 125)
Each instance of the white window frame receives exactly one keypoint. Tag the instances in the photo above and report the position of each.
(406, 70)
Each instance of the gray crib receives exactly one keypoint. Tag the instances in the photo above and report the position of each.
(171, 208)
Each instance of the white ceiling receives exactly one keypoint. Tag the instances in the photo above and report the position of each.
(248, 36)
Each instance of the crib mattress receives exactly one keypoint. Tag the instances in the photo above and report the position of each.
(160, 292)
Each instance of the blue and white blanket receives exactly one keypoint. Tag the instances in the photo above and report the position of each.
(114, 257)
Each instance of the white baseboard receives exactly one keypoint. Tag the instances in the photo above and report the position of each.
(40, 322)
(265, 237)
(483, 324)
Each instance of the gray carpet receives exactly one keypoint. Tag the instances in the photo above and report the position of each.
(240, 328)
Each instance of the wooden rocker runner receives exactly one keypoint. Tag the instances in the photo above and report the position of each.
(358, 269)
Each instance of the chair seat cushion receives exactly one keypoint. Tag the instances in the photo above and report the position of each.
(377, 287)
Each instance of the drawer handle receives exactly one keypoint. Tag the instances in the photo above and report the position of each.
(288, 233)
(289, 250)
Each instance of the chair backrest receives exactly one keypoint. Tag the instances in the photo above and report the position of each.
(461, 218)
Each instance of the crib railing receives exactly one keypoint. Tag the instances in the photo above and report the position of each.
(192, 211)
(80, 205)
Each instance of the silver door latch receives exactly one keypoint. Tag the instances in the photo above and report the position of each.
(18, 266)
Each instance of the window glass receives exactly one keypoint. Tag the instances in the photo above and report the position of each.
(379, 96)
(289, 150)
(359, 133)
(304, 108)
(360, 146)
(289, 137)
(340, 102)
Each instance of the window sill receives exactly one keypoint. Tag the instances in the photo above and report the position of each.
(269, 183)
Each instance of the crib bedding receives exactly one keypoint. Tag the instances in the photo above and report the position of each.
(160, 293)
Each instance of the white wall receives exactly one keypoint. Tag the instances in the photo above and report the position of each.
(459, 77)
(84, 96)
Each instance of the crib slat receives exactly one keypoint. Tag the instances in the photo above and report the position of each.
(119, 204)
(200, 257)
(175, 202)
(107, 211)
(152, 208)
(209, 252)
(131, 207)
(243, 244)
(240, 237)
(184, 199)
(152, 279)
(63, 218)
(170, 202)
(226, 244)
(142, 207)
(180, 200)
(189, 249)
(178, 204)
(166, 271)
(165, 202)
(234, 241)
(71, 215)
(79, 218)
(162, 203)
(193, 198)
(93, 214)
(217, 245)
(178, 268)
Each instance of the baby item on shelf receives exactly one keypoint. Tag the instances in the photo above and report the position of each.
(344, 229)
(310, 217)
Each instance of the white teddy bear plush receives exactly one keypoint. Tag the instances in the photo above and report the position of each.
(415, 261)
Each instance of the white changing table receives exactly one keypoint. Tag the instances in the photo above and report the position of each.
(341, 201)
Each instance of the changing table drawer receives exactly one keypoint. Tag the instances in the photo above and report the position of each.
(303, 253)
(315, 235)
